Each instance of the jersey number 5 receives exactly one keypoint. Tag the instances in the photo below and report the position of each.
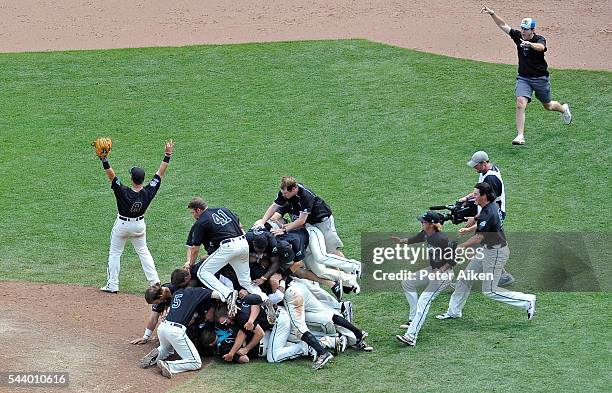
(176, 300)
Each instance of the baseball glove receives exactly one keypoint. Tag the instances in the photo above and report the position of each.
(102, 146)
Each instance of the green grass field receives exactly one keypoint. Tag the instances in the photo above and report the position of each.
(380, 132)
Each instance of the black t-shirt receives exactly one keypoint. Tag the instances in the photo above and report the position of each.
(131, 203)
(226, 337)
(305, 201)
(490, 224)
(439, 251)
(531, 61)
(214, 225)
(184, 303)
(162, 306)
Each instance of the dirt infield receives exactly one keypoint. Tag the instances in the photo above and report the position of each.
(579, 34)
(77, 330)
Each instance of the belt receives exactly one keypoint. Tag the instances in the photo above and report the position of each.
(178, 325)
(131, 218)
(495, 246)
(232, 239)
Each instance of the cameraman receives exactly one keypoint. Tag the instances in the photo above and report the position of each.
(495, 253)
(488, 173)
(434, 278)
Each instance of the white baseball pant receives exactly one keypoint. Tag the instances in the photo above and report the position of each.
(278, 348)
(174, 336)
(332, 240)
(419, 305)
(317, 250)
(303, 307)
(235, 252)
(492, 263)
(136, 231)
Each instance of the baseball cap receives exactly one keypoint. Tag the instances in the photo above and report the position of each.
(138, 174)
(431, 217)
(285, 252)
(528, 23)
(477, 158)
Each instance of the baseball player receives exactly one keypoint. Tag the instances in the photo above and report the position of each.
(434, 278)
(488, 173)
(220, 231)
(532, 71)
(305, 207)
(132, 204)
(490, 234)
(172, 332)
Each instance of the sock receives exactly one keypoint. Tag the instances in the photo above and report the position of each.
(338, 320)
(311, 340)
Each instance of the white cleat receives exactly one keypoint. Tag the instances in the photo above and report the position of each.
(446, 315)
(531, 309)
(567, 115)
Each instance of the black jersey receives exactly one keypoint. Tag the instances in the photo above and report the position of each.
(214, 225)
(490, 224)
(305, 201)
(131, 203)
(531, 62)
(162, 306)
(272, 249)
(439, 250)
(243, 315)
(184, 304)
(298, 238)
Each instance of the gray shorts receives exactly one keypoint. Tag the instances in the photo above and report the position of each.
(526, 86)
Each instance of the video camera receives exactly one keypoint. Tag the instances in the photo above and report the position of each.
(459, 212)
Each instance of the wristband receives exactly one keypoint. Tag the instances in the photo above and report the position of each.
(147, 334)
(105, 163)
(167, 158)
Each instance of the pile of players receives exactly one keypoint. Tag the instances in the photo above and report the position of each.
(258, 293)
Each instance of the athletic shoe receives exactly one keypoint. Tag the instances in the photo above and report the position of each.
(358, 269)
(505, 279)
(567, 115)
(232, 307)
(150, 359)
(362, 345)
(268, 308)
(531, 309)
(406, 340)
(406, 325)
(165, 370)
(347, 311)
(109, 289)
(519, 140)
(446, 315)
(322, 360)
(337, 290)
(311, 352)
(341, 343)
(353, 289)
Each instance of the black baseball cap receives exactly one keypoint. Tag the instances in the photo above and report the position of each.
(431, 217)
(286, 255)
(138, 174)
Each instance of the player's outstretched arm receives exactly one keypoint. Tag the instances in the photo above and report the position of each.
(151, 324)
(498, 21)
(267, 215)
(168, 148)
